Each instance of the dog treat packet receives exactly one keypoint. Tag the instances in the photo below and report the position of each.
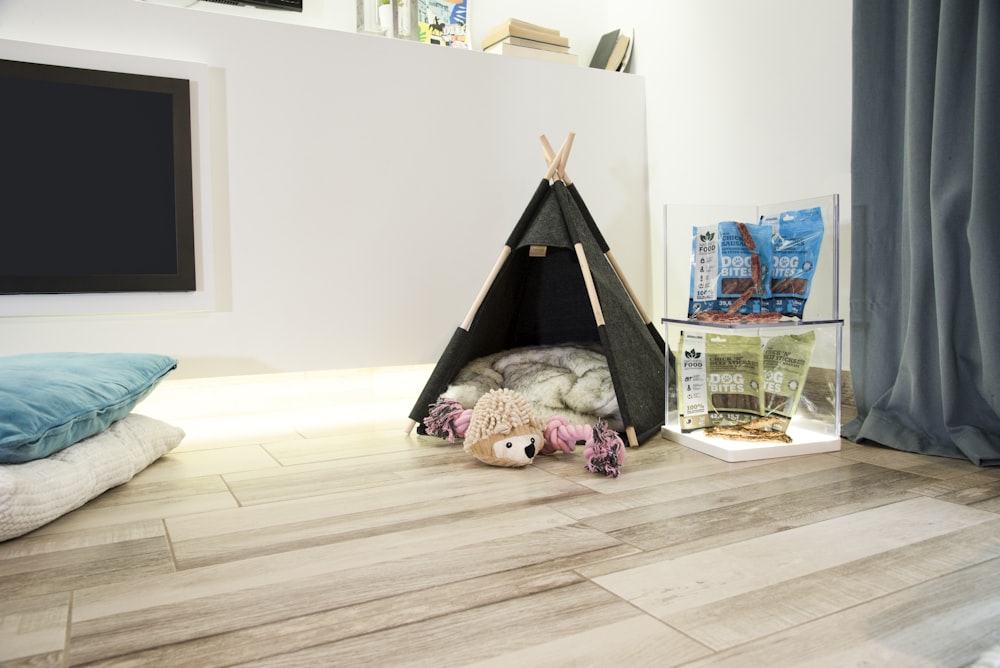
(692, 382)
(785, 367)
(795, 245)
(730, 263)
(721, 377)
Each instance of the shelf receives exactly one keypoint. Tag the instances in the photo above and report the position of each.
(823, 303)
(813, 423)
(804, 442)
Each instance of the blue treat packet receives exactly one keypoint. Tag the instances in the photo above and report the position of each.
(730, 262)
(795, 245)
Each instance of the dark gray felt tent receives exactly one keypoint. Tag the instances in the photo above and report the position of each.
(557, 282)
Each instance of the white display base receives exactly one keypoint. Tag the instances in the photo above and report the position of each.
(804, 442)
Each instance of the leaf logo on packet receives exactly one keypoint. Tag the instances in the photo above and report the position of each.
(795, 245)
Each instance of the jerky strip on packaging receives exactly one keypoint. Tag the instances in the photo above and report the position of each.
(730, 264)
(735, 375)
(796, 242)
(785, 366)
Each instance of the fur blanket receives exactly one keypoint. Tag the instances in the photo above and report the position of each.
(572, 381)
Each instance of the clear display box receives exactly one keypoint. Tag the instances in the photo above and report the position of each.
(810, 417)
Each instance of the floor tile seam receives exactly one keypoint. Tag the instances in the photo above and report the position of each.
(229, 489)
(170, 545)
(749, 486)
(906, 467)
(859, 602)
(555, 474)
(448, 516)
(648, 615)
(955, 501)
(349, 459)
(977, 505)
(847, 609)
(861, 478)
(356, 636)
(737, 648)
(779, 521)
(271, 456)
(67, 638)
(374, 531)
(765, 517)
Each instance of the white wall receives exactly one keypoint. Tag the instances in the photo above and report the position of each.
(358, 188)
(747, 103)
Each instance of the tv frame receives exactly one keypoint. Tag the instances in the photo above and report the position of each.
(289, 5)
(185, 277)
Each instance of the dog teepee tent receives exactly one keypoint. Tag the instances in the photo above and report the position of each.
(557, 282)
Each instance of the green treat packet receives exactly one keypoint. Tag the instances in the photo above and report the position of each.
(721, 379)
(785, 367)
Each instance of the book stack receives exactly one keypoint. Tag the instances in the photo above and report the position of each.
(514, 37)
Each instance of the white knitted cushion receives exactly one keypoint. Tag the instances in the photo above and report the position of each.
(35, 493)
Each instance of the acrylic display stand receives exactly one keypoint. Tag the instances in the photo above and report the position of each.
(815, 425)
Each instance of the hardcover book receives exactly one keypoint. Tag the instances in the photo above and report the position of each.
(508, 49)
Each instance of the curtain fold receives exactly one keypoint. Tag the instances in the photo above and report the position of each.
(925, 275)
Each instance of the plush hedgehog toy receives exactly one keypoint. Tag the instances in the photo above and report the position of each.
(503, 431)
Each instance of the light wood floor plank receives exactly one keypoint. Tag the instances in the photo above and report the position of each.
(312, 581)
(789, 603)
(497, 629)
(298, 525)
(316, 562)
(751, 498)
(249, 531)
(879, 488)
(947, 621)
(127, 561)
(714, 575)
(633, 500)
(33, 630)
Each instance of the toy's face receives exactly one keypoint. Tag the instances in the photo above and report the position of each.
(519, 449)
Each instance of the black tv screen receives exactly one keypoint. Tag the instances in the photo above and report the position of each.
(95, 181)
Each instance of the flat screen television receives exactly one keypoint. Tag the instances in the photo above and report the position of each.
(95, 181)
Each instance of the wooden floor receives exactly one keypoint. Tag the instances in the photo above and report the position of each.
(297, 525)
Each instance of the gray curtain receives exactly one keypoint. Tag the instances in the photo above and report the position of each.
(925, 247)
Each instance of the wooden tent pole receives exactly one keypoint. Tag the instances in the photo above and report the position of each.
(467, 323)
(547, 151)
(559, 159)
(553, 170)
(628, 288)
(549, 155)
(565, 155)
(588, 280)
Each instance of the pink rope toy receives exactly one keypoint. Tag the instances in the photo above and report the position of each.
(606, 452)
(604, 449)
(560, 436)
(447, 419)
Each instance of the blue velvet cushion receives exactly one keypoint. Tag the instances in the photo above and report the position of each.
(49, 401)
